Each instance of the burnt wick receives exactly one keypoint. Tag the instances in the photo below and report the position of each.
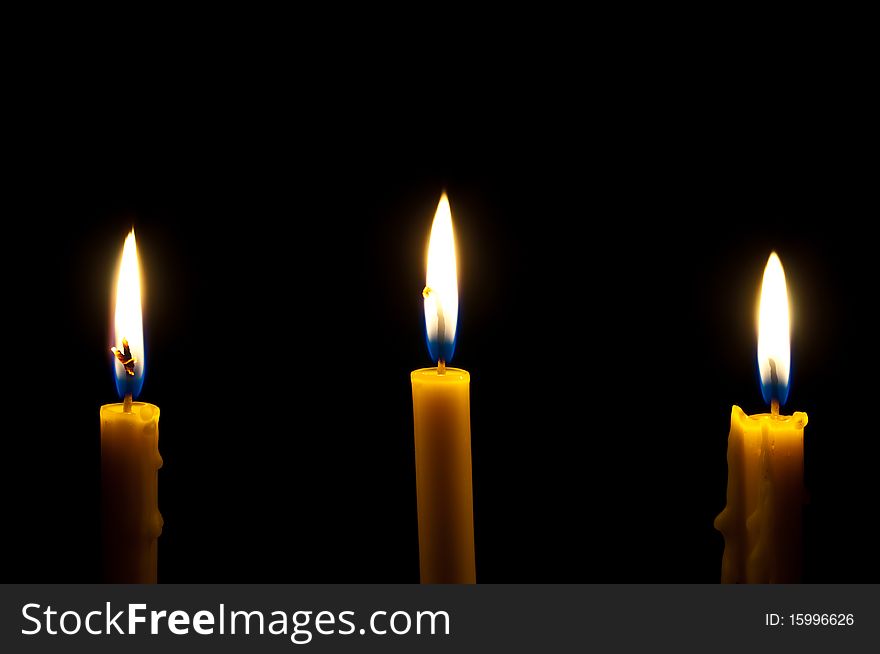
(125, 357)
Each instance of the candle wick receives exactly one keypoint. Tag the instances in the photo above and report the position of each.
(441, 324)
(774, 376)
(441, 367)
(774, 387)
(126, 403)
(125, 357)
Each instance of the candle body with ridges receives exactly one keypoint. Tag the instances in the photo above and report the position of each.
(762, 523)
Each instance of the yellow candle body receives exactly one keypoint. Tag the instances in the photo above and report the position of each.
(130, 463)
(762, 522)
(444, 485)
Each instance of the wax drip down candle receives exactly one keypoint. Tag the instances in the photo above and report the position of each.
(762, 522)
(441, 417)
(130, 460)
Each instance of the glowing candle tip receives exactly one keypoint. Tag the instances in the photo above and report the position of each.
(128, 330)
(440, 292)
(774, 351)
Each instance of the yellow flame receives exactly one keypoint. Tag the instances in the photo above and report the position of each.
(128, 320)
(773, 324)
(441, 292)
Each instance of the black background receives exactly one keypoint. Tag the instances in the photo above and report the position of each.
(610, 257)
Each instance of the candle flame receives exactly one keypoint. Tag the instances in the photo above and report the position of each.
(774, 350)
(128, 324)
(441, 286)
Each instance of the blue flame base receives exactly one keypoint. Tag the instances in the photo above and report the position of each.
(441, 350)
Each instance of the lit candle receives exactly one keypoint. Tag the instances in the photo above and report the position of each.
(130, 459)
(762, 522)
(441, 414)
